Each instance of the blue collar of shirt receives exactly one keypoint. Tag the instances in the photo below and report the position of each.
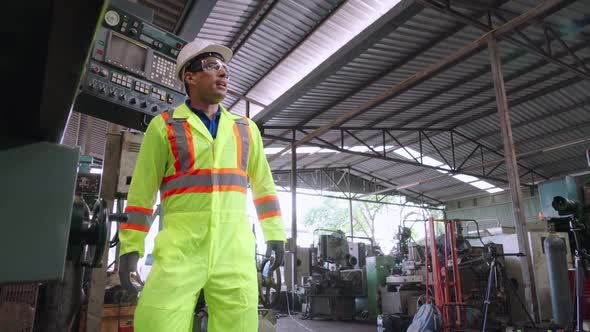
(212, 125)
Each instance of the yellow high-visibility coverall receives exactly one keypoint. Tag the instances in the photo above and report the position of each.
(206, 242)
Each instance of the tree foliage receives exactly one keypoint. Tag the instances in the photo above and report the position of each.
(334, 215)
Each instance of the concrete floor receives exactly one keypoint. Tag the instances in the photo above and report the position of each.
(286, 324)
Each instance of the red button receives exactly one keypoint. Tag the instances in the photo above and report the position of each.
(178, 45)
(170, 100)
(99, 52)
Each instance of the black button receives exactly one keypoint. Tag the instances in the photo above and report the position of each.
(143, 104)
(132, 101)
(154, 108)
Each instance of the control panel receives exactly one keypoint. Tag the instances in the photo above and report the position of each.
(130, 77)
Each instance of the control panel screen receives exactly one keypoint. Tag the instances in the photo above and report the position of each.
(127, 53)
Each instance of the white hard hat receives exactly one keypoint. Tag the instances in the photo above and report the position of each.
(196, 48)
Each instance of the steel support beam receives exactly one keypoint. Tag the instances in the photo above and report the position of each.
(482, 165)
(466, 51)
(371, 201)
(422, 133)
(528, 45)
(381, 157)
(513, 178)
(197, 14)
(294, 200)
(250, 26)
(350, 205)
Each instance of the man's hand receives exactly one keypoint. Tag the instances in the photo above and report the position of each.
(279, 248)
(128, 264)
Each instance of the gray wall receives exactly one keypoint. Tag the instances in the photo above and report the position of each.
(493, 210)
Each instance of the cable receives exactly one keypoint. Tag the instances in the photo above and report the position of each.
(289, 311)
(476, 226)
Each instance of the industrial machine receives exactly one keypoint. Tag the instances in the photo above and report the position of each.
(130, 77)
(40, 284)
(406, 283)
(334, 284)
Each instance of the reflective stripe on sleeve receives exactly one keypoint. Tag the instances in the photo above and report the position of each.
(133, 208)
(141, 228)
(267, 207)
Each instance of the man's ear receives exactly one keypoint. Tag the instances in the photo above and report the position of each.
(188, 77)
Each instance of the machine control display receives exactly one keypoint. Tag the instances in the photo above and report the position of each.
(130, 77)
(126, 54)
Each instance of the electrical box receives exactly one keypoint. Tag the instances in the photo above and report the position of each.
(129, 152)
(303, 266)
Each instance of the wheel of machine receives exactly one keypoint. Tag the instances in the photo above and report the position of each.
(94, 234)
(270, 286)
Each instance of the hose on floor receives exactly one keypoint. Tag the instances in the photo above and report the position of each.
(289, 311)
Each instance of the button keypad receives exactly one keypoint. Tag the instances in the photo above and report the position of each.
(122, 80)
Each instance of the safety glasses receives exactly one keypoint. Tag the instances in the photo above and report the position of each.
(208, 65)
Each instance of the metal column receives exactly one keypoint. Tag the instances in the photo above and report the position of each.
(513, 178)
(350, 206)
(293, 248)
(108, 188)
(351, 219)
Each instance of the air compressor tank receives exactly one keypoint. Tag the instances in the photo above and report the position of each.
(559, 285)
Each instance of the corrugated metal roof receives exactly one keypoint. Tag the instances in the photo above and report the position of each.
(167, 13)
(549, 105)
(351, 18)
(285, 26)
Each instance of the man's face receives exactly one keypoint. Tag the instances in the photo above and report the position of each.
(210, 84)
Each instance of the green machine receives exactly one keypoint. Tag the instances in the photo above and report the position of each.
(377, 269)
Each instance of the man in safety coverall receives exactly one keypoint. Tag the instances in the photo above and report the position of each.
(200, 156)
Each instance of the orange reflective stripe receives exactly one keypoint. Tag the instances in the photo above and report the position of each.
(266, 199)
(173, 145)
(231, 188)
(132, 208)
(135, 227)
(269, 214)
(202, 189)
(190, 146)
